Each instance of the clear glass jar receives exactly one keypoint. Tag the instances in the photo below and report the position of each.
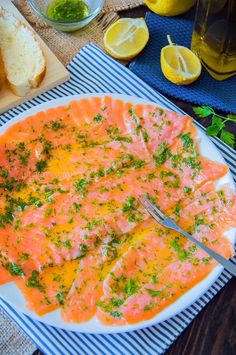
(214, 37)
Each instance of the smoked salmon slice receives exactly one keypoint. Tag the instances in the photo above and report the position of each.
(6, 276)
(175, 264)
(73, 234)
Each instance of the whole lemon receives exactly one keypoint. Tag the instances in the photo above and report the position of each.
(169, 7)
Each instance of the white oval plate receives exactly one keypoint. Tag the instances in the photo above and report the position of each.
(10, 293)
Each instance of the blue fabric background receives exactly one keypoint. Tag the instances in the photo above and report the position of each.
(205, 91)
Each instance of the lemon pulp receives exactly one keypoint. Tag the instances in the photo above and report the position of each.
(179, 64)
(126, 38)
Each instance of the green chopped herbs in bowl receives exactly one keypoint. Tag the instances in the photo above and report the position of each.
(67, 10)
(67, 15)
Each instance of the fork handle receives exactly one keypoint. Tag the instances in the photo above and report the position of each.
(227, 264)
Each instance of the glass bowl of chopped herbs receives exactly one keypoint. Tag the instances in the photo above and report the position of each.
(67, 15)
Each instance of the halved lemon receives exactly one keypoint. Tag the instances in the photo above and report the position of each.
(125, 38)
(179, 64)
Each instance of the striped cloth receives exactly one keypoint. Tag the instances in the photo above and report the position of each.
(92, 71)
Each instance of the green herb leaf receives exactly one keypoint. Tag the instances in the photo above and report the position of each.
(216, 120)
(228, 138)
(217, 124)
(203, 111)
(213, 130)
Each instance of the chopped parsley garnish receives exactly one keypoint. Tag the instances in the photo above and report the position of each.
(187, 190)
(198, 221)
(33, 281)
(40, 166)
(24, 158)
(4, 174)
(130, 111)
(206, 260)
(67, 244)
(7, 217)
(149, 306)
(117, 302)
(176, 161)
(48, 212)
(138, 164)
(92, 224)
(24, 256)
(192, 162)
(47, 194)
(97, 118)
(100, 173)
(133, 214)
(177, 209)
(129, 204)
(182, 254)
(76, 206)
(55, 125)
(38, 203)
(116, 314)
(145, 135)
(70, 220)
(80, 185)
(221, 195)
(130, 287)
(187, 142)
(47, 147)
(60, 297)
(154, 279)
(173, 180)
(123, 139)
(14, 269)
(83, 250)
(110, 170)
(153, 293)
(112, 131)
(162, 154)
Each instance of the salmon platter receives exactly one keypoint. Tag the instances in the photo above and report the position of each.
(77, 249)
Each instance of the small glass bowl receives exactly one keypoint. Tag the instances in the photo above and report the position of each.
(40, 8)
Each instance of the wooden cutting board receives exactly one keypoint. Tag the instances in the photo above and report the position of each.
(56, 73)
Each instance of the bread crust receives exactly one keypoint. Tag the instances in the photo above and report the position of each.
(2, 72)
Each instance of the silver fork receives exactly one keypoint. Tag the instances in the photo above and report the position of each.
(169, 223)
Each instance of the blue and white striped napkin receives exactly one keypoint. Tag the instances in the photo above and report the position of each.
(93, 71)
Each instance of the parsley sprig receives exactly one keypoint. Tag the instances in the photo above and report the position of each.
(217, 127)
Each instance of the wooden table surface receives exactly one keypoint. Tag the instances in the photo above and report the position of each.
(213, 331)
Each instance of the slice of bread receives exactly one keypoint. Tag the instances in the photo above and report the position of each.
(23, 59)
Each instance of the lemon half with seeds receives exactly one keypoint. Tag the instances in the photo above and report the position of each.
(125, 38)
(179, 64)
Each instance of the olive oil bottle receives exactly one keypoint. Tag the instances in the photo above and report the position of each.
(214, 37)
